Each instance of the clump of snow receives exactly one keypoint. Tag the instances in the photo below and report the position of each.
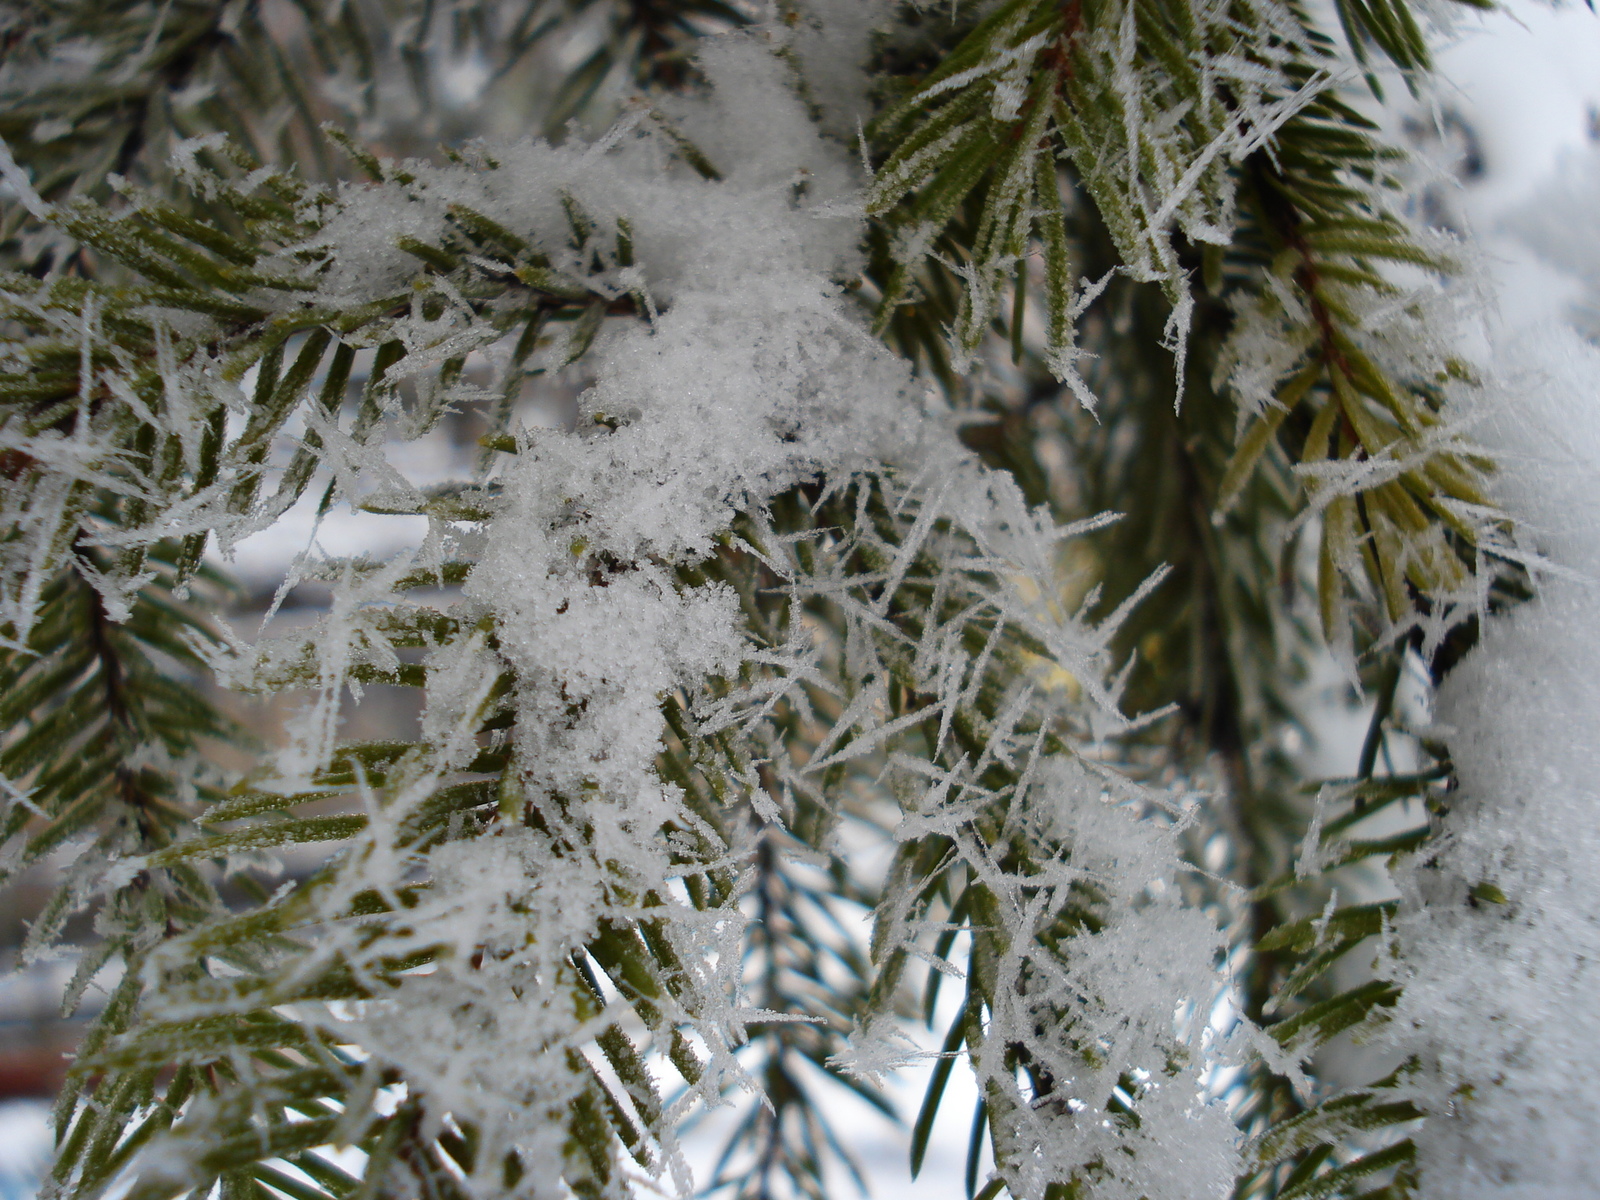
(1502, 938)
(830, 39)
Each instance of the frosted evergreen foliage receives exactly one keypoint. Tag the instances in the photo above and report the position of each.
(520, 895)
(1026, 77)
(815, 611)
(1096, 977)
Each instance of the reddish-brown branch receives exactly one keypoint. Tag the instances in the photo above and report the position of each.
(1059, 53)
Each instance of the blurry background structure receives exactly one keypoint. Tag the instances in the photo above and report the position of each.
(1519, 97)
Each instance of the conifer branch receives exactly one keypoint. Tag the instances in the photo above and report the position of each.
(760, 596)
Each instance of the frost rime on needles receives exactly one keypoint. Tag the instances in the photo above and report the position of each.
(754, 378)
(1092, 979)
(575, 626)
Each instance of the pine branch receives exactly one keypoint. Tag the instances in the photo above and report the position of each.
(758, 594)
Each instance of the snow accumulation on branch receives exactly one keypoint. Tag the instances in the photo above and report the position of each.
(481, 936)
(757, 590)
(753, 377)
(1501, 941)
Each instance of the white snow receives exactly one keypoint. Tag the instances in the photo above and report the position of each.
(1500, 1001)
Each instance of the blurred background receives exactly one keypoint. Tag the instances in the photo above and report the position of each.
(1516, 111)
